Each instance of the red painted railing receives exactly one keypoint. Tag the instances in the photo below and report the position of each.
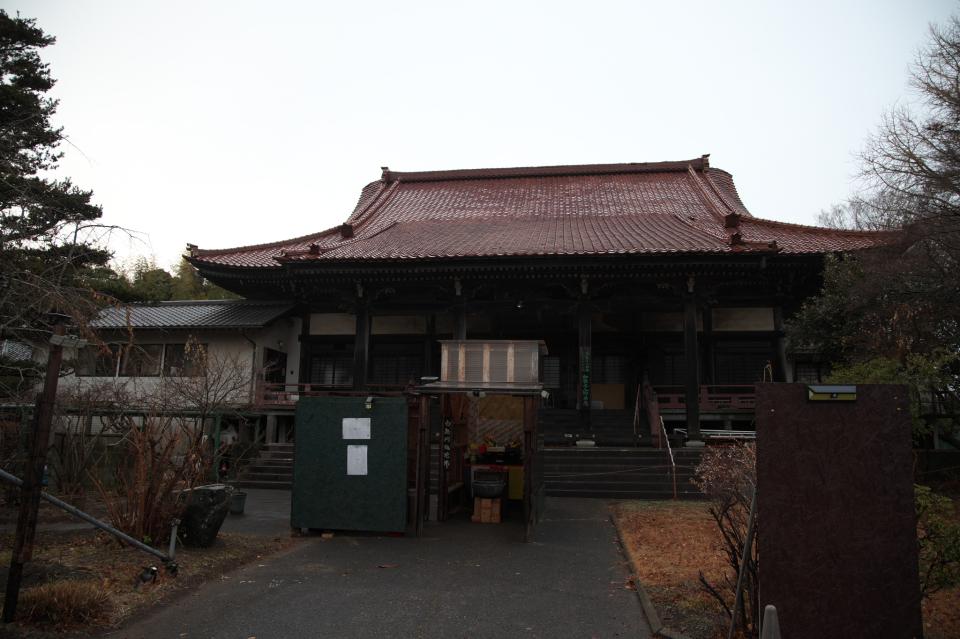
(714, 397)
(286, 395)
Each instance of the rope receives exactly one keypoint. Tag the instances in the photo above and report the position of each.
(608, 472)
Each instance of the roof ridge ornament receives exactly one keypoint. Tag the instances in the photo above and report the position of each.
(732, 220)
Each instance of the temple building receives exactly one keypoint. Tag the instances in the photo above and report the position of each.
(646, 281)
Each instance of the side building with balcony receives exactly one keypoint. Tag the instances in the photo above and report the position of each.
(210, 357)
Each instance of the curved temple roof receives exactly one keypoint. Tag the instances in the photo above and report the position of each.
(683, 207)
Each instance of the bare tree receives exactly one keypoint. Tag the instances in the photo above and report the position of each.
(727, 476)
(165, 448)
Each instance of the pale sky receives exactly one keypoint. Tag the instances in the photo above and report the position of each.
(232, 123)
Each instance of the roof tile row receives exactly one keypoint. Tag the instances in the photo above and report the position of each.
(670, 207)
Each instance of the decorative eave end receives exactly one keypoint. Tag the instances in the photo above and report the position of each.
(346, 231)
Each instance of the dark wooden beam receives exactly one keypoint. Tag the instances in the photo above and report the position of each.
(460, 321)
(692, 363)
(304, 375)
(429, 346)
(585, 358)
(708, 372)
(361, 346)
(782, 370)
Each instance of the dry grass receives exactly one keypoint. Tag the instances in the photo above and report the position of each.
(669, 542)
(88, 557)
(941, 614)
(941, 611)
(64, 605)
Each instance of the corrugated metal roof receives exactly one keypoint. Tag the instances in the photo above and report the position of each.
(663, 207)
(212, 314)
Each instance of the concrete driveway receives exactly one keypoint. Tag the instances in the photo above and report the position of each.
(458, 580)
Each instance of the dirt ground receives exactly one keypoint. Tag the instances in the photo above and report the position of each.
(941, 611)
(670, 543)
(82, 555)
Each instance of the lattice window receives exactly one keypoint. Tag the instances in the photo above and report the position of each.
(396, 369)
(742, 362)
(331, 369)
(551, 372)
(609, 369)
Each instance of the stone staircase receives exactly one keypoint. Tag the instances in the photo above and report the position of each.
(606, 427)
(273, 468)
(619, 473)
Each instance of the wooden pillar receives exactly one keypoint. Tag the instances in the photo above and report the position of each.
(708, 361)
(422, 462)
(782, 372)
(304, 373)
(692, 362)
(361, 347)
(429, 346)
(585, 353)
(460, 324)
(531, 472)
(271, 436)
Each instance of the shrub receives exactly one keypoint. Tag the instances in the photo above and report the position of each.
(727, 476)
(938, 537)
(61, 604)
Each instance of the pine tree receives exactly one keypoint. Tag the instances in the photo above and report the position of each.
(47, 225)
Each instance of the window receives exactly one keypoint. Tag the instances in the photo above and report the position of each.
(674, 368)
(609, 369)
(331, 369)
(184, 360)
(742, 362)
(396, 369)
(551, 371)
(98, 361)
(141, 360)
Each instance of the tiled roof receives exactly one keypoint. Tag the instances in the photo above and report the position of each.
(219, 314)
(662, 207)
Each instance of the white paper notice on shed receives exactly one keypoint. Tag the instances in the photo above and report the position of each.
(356, 460)
(356, 428)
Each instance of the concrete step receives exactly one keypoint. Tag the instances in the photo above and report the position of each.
(287, 479)
(276, 454)
(624, 494)
(272, 463)
(619, 473)
(283, 485)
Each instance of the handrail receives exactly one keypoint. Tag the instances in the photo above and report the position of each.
(636, 413)
(723, 397)
(673, 463)
(653, 408)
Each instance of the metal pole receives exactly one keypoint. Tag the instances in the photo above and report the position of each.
(90, 519)
(30, 494)
(173, 539)
(745, 559)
